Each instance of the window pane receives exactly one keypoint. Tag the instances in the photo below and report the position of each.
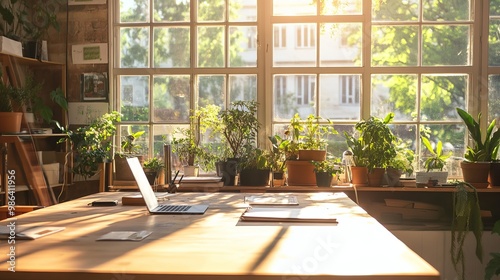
(394, 45)
(339, 97)
(394, 93)
(243, 46)
(294, 7)
(171, 47)
(341, 44)
(211, 10)
(211, 90)
(134, 92)
(494, 42)
(300, 47)
(134, 11)
(171, 98)
(446, 45)
(494, 98)
(142, 142)
(243, 10)
(134, 47)
(441, 95)
(446, 10)
(242, 87)
(395, 10)
(210, 46)
(341, 7)
(162, 134)
(294, 94)
(453, 138)
(171, 10)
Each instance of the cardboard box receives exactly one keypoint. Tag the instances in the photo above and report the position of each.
(51, 170)
(9, 46)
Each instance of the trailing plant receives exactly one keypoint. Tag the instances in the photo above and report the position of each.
(466, 217)
(480, 150)
(91, 143)
(437, 160)
(493, 266)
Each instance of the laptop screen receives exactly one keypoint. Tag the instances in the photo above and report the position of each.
(143, 183)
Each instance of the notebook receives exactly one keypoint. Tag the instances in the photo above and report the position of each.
(150, 198)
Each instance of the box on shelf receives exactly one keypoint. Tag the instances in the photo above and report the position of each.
(9, 46)
(51, 171)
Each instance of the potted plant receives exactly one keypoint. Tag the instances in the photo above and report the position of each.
(28, 21)
(129, 148)
(434, 164)
(253, 167)
(306, 141)
(277, 160)
(239, 129)
(481, 152)
(154, 168)
(91, 144)
(10, 113)
(401, 164)
(493, 266)
(373, 149)
(326, 170)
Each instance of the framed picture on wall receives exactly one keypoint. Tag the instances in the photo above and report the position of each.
(94, 86)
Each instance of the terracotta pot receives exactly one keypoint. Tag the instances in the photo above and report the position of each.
(495, 174)
(375, 177)
(316, 155)
(300, 173)
(191, 170)
(476, 173)
(122, 169)
(359, 175)
(11, 122)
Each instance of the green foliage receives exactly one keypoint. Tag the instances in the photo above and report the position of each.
(493, 266)
(331, 165)
(187, 147)
(437, 160)
(128, 143)
(403, 160)
(480, 150)
(308, 134)
(240, 126)
(91, 143)
(277, 156)
(254, 159)
(27, 20)
(375, 145)
(466, 217)
(155, 164)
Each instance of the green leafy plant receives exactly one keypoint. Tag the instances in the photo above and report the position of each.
(331, 165)
(255, 158)
(128, 144)
(154, 164)
(374, 146)
(481, 150)
(277, 156)
(308, 134)
(404, 158)
(493, 266)
(466, 217)
(91, 143)
(240, 126)
(437, 160)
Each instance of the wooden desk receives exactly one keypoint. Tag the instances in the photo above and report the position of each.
(210, 246)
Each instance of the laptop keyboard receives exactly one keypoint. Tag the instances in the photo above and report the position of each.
(173, 208)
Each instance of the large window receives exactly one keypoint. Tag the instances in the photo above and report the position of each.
(344, 60)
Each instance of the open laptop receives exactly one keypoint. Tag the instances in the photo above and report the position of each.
(149, 196)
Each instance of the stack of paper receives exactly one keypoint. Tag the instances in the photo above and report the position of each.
(288, 214)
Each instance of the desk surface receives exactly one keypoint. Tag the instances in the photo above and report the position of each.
(210, 246)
